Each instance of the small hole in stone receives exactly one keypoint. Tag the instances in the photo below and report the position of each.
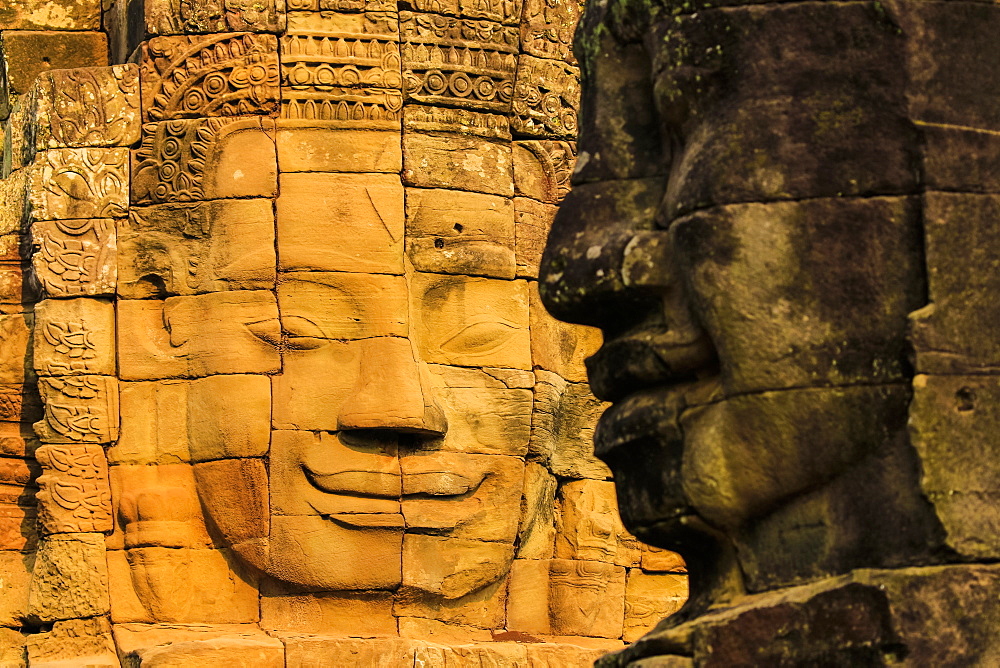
(439, 243)
(965, 400)
(458, 227)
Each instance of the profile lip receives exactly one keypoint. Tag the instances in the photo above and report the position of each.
(619, 426)
(653, 363)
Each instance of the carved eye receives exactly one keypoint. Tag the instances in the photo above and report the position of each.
(480, 337)
(302, 333)
(268, 330)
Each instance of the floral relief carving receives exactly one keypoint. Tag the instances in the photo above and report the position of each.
(79, 409)
(93, 106)
(80, 183)
(458, 62)
(74, 257)
(74, 494)
(216, 75)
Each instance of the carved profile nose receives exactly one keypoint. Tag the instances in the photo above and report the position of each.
(392, 392)
(580, 278)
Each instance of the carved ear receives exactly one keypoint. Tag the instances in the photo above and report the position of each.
(176, 322)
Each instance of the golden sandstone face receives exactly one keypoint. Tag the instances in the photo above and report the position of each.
(269, 300)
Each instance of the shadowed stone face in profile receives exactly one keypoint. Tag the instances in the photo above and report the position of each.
(747, 228)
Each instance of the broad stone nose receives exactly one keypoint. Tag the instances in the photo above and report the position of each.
(392, 392)
(580, 278)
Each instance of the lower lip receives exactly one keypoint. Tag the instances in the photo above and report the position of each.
(368, 520)
(639, 416)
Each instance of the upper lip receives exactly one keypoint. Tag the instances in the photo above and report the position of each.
(644, 360)
(356, 483)
(383, 485)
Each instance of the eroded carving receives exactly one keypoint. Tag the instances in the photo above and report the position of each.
(74, 495)
(69, 183)
(73, 258)
(91, 106)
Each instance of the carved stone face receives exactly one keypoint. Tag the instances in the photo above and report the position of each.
(746, 239)
(370, 414)
(399, 400)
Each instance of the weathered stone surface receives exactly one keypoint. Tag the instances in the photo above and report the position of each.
(949, 334)
(13, 201)
(74, 495)
(538, 502)
(234, 493)
(69, 579)
(342, 306)
(366, 209)
(78, 409)
(65, 15)
(452, 567)
(13, 649)
(455, 232)
(153, 424)
(79, 183)
(345, 476)
(432, 630)
(528, 597)
(558, 346)
(456, 161)
(183, 249)
(770, 263)
(18, 530)
(22, 51)
(74, 258)
(426, 613)
(351, 554)
(87, 106)
(649, 598)
(217, 333)
(306, 397)
(532, 221)
(955, 92)
(236, 158)
(488, 411)
(308, 146)
(82, 641)
(190, 586)
(239, 651)
(329, 652)
(469, 321)
(74, 337)
(343, 68)
(587, 598)
(952, 422)
(562, 427)
(223, 74)
(589, 527)
(16, 567)
(156, 506)
(421, 118)
(657, 560)
(358, 615)
(16, 355)
(554, 655)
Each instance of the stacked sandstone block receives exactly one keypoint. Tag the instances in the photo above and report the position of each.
(189, 237)
(65, 171)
